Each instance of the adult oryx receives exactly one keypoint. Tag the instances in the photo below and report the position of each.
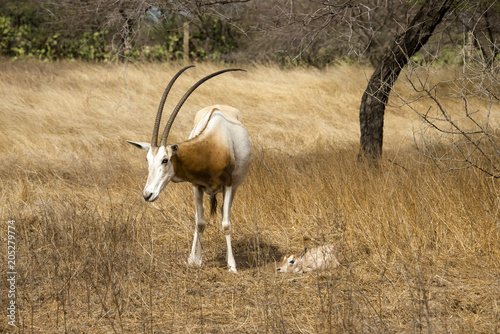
(214, 159)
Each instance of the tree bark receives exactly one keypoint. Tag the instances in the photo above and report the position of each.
(376, 95)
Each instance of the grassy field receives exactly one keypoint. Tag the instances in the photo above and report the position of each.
(419, 249)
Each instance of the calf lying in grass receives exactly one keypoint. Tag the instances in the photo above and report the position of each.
(319, 258)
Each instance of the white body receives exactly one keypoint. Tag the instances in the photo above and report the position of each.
(315, 259)
(223, 124)
(215, 158)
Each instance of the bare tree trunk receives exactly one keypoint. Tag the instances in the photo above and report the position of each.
(492, 41)
(404, 46)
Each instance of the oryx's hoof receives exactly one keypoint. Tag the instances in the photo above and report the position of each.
(192, 261)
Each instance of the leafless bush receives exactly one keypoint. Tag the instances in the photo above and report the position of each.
(318, 33)
(467, 137)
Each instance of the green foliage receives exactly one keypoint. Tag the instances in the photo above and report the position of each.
(213, 39)
(92, 47)
(155, 53)
(23, 35)
(28, 41)
(210, 39)
(446, 56)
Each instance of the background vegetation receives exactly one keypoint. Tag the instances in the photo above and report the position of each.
(289, 33)
(419, 249)
(55, 31)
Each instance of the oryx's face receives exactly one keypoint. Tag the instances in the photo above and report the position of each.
(290, 263)
(160, 169)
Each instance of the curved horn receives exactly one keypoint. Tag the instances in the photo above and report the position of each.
(184, 98)
(154, 140)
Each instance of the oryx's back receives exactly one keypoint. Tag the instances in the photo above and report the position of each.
(221, 125)
(207, 118)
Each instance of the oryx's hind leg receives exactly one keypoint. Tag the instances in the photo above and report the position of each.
(226, 225)
(195, 256)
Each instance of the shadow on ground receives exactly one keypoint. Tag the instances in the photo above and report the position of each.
(249, 252)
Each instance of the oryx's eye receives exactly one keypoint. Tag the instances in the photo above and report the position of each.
(164, 161)
(291, 261)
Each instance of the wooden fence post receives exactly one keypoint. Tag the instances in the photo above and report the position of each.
(185, 50)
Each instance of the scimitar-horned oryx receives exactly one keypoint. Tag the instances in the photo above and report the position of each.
(214, 159)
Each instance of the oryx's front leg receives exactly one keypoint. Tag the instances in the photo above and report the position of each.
(195, 256)
(226, 225)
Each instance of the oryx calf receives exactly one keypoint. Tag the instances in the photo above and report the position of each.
(214, 159)
(319, 258)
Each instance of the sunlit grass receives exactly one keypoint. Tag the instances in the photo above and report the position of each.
(419, 250)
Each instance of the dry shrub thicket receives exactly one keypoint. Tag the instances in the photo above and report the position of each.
(419, 249)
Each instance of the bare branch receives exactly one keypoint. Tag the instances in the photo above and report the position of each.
(468, 134)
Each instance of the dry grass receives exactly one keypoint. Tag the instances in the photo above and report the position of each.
(419, 250)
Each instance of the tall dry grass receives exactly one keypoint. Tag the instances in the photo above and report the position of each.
(419, 249)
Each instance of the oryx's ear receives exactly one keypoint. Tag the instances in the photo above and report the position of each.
(305, 251)
(173, 149)
(141, 145)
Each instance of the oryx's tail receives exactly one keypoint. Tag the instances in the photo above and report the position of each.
(213, 204)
